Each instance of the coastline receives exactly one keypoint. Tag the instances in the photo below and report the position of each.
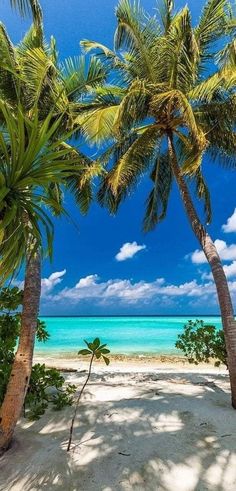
(64, 355)
(127, 363)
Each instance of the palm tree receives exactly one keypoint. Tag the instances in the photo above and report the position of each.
(31, 162)
(32, 73)
(28, 6)
(30, 78)
(163, 114)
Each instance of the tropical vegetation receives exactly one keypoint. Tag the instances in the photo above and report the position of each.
(39, 108)
(202, 343)
(47, 385)
(32, 163)
(164, 113)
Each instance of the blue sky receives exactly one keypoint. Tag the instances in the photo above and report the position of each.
(162, 277)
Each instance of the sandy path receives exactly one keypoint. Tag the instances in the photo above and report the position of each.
(159, 429)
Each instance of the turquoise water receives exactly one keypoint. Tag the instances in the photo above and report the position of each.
(124, 335)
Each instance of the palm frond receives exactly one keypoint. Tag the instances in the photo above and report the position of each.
(203, 194)
(165, 9)
(32, 39)
(28, 6)
(8, 67)
(207, 89)
(138, 158)
(226, 57)
(80, 77)
(157, 201)
(98, 124)
(213, 25)
(134, 107)
(81, 184)
(38, 70)
(136, 32)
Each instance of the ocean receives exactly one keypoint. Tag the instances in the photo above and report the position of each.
(123, 335)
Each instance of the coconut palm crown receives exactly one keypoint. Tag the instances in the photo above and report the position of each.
(169, 81)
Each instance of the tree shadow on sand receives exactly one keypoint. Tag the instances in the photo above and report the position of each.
(155, 432)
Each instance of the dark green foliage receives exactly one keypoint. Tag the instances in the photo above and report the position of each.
(96, 349)
(42, 334)
(202, 343)
(10, 298)
(9, 328)
(46, 384)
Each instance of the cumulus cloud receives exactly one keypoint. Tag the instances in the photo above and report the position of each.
(117, 292)
(230, 270)
(226, 252)
(49, 283)
(128, 250)
(88, 281)
(230, 225)
(127, 292)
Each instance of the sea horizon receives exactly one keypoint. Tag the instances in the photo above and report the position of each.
(131, 315)
(124, 334)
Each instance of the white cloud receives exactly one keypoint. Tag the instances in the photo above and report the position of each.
(87, 282)
(226, 252)
(128, 250)
(49, 283)
(230, 270)
(128, 292)
(230, 225)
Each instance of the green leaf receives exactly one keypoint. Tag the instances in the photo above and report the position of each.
(98, 124)
(102, 346)
(96, 343)
(107, 361)
(84, 352)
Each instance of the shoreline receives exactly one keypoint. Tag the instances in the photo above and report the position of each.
(68, 355)
(127, 363)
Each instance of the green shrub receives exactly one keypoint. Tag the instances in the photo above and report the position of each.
(47, 385)
(202, 342)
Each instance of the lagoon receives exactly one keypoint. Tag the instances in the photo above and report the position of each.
(124, 335)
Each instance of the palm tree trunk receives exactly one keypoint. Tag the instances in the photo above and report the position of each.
(212, 256)
(12, 405)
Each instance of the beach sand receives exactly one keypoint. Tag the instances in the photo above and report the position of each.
(144, 424)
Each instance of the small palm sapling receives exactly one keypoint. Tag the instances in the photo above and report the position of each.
(95, 350)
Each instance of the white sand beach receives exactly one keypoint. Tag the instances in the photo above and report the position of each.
(142, 425)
